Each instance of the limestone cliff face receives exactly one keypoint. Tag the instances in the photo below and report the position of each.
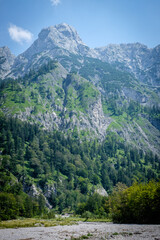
(140, 133)
(99, 122)
(6, 61)
(94, 121)
(34, 191)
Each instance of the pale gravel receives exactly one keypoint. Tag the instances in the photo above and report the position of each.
(99, 231)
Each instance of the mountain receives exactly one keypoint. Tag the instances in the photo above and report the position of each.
(63, 40)
(66, 85)
(75, 120)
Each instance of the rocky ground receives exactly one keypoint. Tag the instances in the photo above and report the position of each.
(83, 230)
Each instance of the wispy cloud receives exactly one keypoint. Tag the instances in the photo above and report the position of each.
(55, 2)
(19, 34)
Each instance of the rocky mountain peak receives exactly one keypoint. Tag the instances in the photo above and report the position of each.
(59, 36)
(63, 40)
(59, 32)
(69, 32)
(52, 42)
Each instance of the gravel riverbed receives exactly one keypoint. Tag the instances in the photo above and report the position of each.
(94, 231)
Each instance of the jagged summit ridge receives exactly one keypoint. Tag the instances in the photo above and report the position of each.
(60, 36)
(136, 58)
(60, 30)
(61, 40)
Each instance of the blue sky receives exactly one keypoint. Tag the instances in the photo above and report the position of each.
(98, 22)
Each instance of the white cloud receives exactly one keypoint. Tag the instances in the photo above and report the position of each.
(19, 34)
(55, 2)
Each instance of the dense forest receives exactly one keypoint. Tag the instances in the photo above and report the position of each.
(69, 169)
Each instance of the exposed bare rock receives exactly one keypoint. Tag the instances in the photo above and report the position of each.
(101, 191)
(136, 58)
(6, 61)
(58, 40)
(63, 40)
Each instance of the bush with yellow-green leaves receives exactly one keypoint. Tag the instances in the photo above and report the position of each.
(139, 203)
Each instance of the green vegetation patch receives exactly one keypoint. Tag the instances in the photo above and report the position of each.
(136, 204)
(33, 222)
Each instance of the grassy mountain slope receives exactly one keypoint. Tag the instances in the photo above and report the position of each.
(54, 99)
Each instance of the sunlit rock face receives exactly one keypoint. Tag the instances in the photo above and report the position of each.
(6, 61)
(136, 58)
(62, 40)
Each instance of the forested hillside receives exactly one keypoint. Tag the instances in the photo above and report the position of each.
(60, 170)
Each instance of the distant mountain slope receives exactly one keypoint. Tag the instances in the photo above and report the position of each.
(136, 58)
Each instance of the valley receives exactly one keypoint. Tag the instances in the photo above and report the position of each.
(75, 123)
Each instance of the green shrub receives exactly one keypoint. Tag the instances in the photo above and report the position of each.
(49, 215)
(8, 206)
(139, 203)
